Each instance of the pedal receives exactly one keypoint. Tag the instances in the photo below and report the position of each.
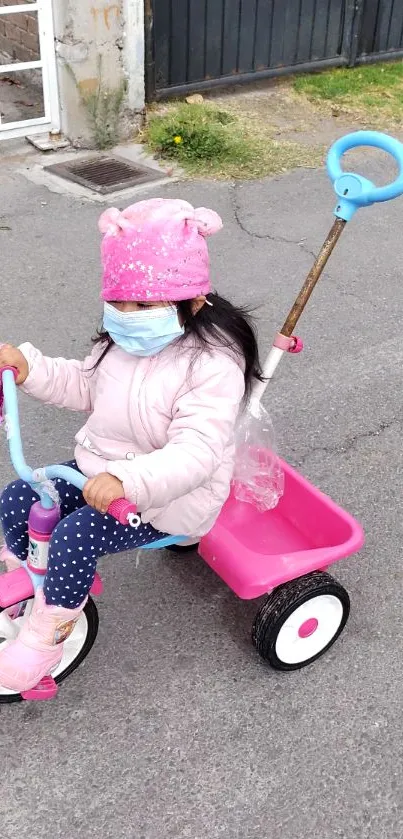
(45, 689)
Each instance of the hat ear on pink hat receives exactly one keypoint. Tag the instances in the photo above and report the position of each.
(155, 250)
(207, 221)
(112, 221)
(153, 211)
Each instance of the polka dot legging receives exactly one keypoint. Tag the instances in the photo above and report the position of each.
(81, 537)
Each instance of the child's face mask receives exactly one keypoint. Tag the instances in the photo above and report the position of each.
(143, 333)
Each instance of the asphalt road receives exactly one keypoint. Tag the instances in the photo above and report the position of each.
(173, 728)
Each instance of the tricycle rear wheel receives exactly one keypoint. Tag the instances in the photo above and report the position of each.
(182, 549)
(300, 620)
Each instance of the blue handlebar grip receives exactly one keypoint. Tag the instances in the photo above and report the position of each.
(354, 191)
(13, 427)
(16, 451)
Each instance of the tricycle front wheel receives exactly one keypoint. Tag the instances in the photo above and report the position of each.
(75, 648)
(300, 620)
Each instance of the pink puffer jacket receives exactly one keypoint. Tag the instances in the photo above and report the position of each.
(162, 425)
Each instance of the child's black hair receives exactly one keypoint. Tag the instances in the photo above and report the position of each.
(221, 324)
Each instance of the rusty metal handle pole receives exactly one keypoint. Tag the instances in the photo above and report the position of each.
(353, 191)
(312, 278)
(282, 341)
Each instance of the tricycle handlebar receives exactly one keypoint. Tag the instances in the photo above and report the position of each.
(121, 509)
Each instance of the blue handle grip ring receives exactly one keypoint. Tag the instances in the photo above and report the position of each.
(354, 191)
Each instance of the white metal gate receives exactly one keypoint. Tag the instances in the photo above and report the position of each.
(50, 120)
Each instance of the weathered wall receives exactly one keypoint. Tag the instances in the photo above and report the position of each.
(90, 30)
(19, 38)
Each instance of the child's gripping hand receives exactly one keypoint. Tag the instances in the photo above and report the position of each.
(13, 357)
(99, 492)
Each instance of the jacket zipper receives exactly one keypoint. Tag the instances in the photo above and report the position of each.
(140, 406)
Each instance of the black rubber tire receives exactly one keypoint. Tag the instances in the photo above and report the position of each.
(91, 613)
(182, 549)
(279, 606)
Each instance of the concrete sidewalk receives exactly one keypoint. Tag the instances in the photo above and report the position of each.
(173, 728)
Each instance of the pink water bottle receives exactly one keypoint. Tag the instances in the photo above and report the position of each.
(41, 524)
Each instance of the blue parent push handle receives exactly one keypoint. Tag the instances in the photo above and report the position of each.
(354, 191)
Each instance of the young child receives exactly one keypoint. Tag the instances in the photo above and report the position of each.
(162, 389)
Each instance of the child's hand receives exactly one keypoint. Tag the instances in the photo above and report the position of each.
(99, 492)
(12, 357)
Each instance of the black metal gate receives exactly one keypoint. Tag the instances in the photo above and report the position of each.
(380, 29)
(199, 44)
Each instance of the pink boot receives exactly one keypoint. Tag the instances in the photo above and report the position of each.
(11, 562)
(38, 649)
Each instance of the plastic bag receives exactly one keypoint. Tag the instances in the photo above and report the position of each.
(258, 477)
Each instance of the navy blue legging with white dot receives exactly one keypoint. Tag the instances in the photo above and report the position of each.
(82, 536)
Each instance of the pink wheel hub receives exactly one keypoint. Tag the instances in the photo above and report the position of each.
(308, 628)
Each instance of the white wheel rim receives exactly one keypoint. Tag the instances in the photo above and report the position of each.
(324, 610)
(71, 649)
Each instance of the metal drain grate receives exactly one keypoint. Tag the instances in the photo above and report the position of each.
(104, 174)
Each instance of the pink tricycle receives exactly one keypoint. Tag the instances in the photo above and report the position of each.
(283, 553)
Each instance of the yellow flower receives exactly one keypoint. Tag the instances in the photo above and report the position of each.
(178, 139)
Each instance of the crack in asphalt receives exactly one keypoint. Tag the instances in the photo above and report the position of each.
(351, 442)
(277, 238)
(345, 292)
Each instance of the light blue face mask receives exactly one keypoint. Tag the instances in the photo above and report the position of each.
(144, 333)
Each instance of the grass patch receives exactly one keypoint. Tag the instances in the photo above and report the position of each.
(374, 89)
(210, 141)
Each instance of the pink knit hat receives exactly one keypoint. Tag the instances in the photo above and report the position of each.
(156, 250)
